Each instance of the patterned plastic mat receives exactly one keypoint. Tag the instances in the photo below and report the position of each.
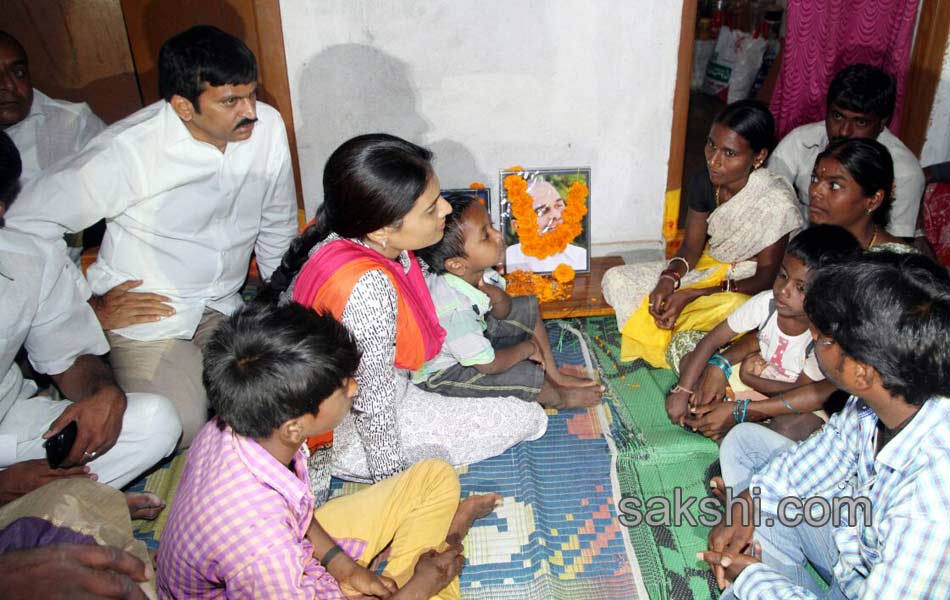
(654, 458)
(557, 533)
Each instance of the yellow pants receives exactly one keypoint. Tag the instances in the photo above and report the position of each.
(643, 339)
(412, 510)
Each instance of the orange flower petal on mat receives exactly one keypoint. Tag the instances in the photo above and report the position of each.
(476, 186)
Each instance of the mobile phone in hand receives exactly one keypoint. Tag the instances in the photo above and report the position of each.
(60, 445)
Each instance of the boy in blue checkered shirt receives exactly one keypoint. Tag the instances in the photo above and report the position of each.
(881, 324)
(495, 345)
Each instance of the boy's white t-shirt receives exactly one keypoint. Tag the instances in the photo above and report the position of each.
(787, 355)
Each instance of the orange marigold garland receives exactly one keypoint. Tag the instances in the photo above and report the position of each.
(545, 287)
(526, 220)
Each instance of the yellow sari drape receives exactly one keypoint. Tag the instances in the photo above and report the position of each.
(643, 339)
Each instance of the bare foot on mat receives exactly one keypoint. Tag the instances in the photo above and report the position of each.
(143, 505)
(584, 397)
(470, 510)
(579, 372)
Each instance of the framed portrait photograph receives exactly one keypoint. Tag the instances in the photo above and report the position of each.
(545, 219)
(483, 195)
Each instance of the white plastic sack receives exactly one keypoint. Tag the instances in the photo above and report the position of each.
(749, 53)
(719, 69)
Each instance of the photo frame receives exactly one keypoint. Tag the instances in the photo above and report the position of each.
(550, 191)
(483, 195)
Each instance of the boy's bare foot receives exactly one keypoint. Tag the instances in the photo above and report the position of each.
(566, 397)
(470, 510)
(569, 381)
(143, 505)
(575, 371)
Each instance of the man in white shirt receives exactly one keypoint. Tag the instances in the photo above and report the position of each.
(189, 187)
(118, 436)
(44, 130)
(860, 102)
(549, 207)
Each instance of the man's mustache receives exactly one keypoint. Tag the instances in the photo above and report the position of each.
(245, 122)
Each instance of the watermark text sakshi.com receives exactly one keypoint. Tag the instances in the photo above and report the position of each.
(791, 511)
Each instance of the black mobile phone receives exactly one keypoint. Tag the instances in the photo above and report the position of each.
(59, 446)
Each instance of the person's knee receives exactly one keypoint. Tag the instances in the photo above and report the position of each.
(164, 426)
(440, 476)
(732, 443)
(739, 437)
(796, 427)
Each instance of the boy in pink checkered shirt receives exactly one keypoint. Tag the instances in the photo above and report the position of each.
(243, 524)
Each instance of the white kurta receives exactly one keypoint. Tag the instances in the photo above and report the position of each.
(180, 215)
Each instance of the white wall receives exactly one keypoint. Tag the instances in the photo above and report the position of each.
(937, 145)
(491, 83)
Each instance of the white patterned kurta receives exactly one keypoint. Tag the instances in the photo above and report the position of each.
(393, 424)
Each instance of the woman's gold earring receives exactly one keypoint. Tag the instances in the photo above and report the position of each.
(384, 243)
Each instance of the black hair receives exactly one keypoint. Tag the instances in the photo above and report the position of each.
(870, 164)
(892, 312)
(821, 245)
(863, 89)
(10, 38)
(369, 182)
(201, 56)
(452, 243)
(753, 121)
(10, 169)
(267, 364)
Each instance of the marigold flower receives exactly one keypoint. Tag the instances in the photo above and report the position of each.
(564, 273)
(546, 288)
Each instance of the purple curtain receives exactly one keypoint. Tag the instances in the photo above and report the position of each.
(824, 36)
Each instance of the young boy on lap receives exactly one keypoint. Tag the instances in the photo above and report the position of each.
(495, 344)
(243, 525)
(778, 369)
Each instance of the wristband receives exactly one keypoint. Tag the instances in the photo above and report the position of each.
(718, 360)
(330, 555)
(739, 409)
(671, 273)
(676, 282)
(678, 258)
(789, 406)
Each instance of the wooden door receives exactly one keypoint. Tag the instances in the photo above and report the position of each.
(78, 51)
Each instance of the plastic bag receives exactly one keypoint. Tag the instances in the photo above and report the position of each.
(749, 53)
(719, 69)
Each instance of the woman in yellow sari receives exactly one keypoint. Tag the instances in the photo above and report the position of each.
(739, 219)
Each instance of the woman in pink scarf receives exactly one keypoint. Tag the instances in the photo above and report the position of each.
(356, 261)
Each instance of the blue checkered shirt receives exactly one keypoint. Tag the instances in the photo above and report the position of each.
(905, 553)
